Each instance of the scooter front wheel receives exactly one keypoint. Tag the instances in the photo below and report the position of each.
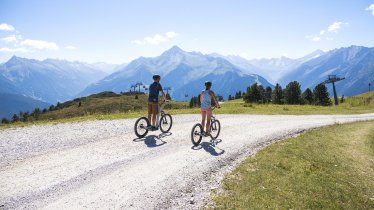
(166, 122)
(196, 134)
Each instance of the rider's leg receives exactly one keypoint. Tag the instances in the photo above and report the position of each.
(203, 116)
(209, 117)
(154, 112)
(149, 111)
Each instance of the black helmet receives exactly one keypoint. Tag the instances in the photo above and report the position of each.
(156, 76)
(208, 83)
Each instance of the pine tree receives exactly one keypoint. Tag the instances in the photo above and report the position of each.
(25, 116)
(253, 94)
(268, 92)
(293, 93)
(36, 113)
(20, 115)
(308, 96)
(15, 118)
(4, 121)
(321, 96)
(191, 103)
(262, 93)
(342, 99)
(277, 96)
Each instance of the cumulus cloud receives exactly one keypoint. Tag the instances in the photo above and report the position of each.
(335, 26)
(6, 27)
(324, 34)
(39, 44)
(171, 34)
(156, 39)
(16, 43)
(370, 8)
(19, 49)
(10, 39)
(70, 47)
(316, 38)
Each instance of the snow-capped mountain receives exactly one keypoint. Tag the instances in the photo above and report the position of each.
(275, 68)
(184, 71)
(270, 68)
(50, 80)
(355, 63)
(108, 68)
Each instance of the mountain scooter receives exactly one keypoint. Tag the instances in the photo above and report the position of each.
(142, 125)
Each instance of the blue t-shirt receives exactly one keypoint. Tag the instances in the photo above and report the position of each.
(154, 91)
(206, 101)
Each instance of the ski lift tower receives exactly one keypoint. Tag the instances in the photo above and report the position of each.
(167, 89)
(139, 84)
(332, 79)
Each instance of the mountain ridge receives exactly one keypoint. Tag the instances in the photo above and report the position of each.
(180, 70)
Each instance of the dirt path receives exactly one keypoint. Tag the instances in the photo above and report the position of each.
(100, 164)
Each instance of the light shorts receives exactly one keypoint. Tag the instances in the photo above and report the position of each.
(206, 112)
(153, 108)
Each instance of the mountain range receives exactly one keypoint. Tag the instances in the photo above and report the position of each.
(52, 80)
(354, 63)
(30, 83)
(184, 71)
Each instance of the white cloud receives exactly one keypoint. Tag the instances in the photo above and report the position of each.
(316, 39)
(335, 26)
(244, 55)
(371, 7)
(171, 34)
(6, 27)
(156, 39)
(5, 49)
(12, 39)
(70, 47)
(40, 44)
(324, 33)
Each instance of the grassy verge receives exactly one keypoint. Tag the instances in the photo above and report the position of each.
(327, 168)
(124, 107)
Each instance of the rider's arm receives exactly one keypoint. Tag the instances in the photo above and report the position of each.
(215, 99)
(163, 94)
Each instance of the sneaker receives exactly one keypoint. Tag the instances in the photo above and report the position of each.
(203, 133)
(154, 128)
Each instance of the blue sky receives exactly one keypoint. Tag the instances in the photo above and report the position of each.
(117, 31)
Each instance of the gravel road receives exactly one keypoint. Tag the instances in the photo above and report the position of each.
(101, 165)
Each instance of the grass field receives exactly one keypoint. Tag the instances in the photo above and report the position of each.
(125, 106)
(327, 168)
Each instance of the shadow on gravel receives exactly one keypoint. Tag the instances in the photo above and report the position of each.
(151, 140)
(210, 147)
